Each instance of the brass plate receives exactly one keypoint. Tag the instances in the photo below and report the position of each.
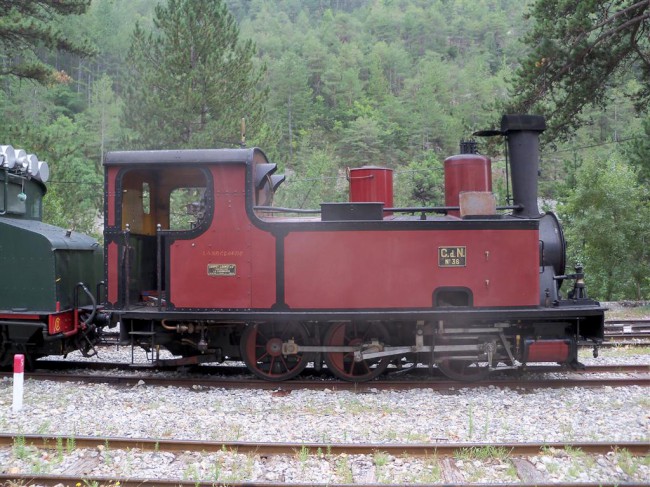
(452, 256)
(222, 270)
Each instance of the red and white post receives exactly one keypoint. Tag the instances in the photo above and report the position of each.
(19, 378)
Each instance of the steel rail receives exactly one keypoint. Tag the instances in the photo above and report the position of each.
(627, 321)
(645, 335)
(51, 365)
(54, 480)
(298, 384)
(267, 448)
(624, 343)
(315, 384)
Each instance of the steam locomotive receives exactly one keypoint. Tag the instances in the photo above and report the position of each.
(198, 261)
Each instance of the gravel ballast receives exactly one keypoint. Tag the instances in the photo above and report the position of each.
(487, 414)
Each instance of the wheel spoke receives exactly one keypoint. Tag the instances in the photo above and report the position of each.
(351, 370)
(343, 364)
(366, 365)
(261, 350)
(284, 362)
(464, 370)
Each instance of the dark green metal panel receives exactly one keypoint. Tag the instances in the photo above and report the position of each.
(40, 264)
(74, 266)
(27, 266)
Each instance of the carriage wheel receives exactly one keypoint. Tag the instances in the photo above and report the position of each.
(464, 370)
(342, 364)
(261, 350)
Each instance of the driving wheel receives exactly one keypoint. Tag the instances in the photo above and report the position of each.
(261, 350)
(343, 364)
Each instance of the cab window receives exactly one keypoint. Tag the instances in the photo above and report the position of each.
(176, 198)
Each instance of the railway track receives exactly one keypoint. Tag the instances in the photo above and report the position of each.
(634, 376)
(233, 377)
(516, 453)
(627, 326)
(239, 371)
(268, 449)
(58, 480)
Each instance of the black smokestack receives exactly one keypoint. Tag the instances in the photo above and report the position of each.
(522, 132)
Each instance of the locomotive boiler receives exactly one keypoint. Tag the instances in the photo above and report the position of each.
(197, 260)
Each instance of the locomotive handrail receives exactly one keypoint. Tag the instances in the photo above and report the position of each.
(100, 285)
(441, 209)
(127, 265)
(159, 264)
(414, 209)
(423, 209)
(279, 209)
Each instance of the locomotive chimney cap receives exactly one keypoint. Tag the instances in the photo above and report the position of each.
(516, 123)
(519, 123)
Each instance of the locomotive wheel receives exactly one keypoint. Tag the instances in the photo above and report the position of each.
(464, 370)
(261, 350)
(342, 364)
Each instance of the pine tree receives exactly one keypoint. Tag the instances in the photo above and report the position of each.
(191, 80)
(579, 50)
(28, 25)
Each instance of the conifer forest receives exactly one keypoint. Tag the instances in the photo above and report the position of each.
(324, 85)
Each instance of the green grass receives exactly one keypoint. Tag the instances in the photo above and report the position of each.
(488, 452)
(303, 454)
(343, 470)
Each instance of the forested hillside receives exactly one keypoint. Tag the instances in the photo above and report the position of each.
(323, 85)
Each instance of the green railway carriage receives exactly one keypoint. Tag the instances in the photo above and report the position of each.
(46, 271)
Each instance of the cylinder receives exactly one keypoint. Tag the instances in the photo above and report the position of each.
(466, 172)
(370, 184)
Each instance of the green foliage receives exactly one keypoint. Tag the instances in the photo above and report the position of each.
(391, 57)
(191, 80)
(36, 124)
(607, 226)
(578, 51)
(361, 142)
(75, 192)
(28, 25)
(639, 153)
(349, 82)
(102, 118)
(420, 183)
(290, 102)
(313, 179)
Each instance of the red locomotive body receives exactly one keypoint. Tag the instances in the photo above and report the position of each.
(198, 261)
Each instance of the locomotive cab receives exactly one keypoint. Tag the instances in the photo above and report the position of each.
(152, 207)
(182, 215)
